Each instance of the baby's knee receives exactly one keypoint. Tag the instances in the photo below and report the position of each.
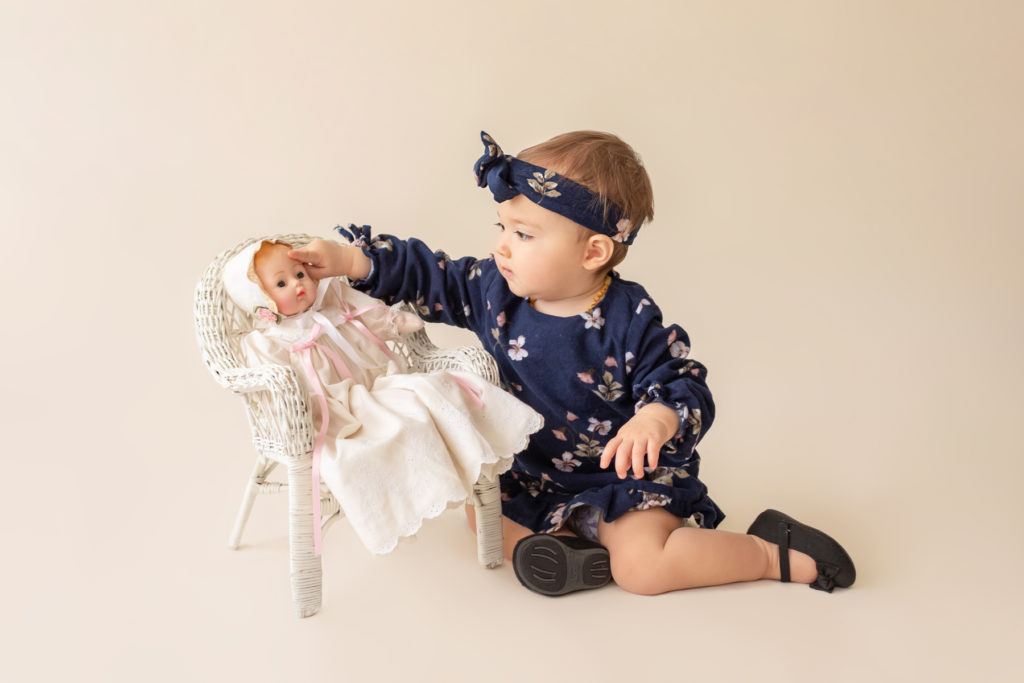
(637, 573)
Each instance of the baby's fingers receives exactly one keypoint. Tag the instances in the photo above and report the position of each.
(609, 451)
(653, 451)
(640, 449)
(625, 456)
(306, 256)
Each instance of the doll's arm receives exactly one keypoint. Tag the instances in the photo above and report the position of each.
(258, 349)
(406, 322)
(385, 322)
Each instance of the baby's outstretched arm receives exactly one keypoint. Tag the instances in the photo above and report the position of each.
(324, 258)
(643, 435)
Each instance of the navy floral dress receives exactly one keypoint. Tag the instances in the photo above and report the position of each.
(586, 374)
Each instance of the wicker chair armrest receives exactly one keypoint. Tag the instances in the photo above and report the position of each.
(277, 379)
(465, 358)
(282, 425)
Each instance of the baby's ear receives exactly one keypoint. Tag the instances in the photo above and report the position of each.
(598, 251)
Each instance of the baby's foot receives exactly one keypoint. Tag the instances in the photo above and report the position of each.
(796, 544)
(555, 565)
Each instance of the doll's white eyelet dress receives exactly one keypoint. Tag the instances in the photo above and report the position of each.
(399, 447)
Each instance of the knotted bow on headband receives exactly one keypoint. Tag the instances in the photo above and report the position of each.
(507, 177)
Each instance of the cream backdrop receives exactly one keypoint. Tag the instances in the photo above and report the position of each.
(838, 199)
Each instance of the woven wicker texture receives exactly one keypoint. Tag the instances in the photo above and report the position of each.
(279, 415)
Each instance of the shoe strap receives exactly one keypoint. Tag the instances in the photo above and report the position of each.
(784, 552)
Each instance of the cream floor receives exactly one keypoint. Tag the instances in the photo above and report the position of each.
(838, 229)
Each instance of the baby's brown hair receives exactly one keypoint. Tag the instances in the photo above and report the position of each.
(606, 165)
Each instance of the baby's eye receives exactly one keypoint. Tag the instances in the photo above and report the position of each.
(300, 275)
(280, 283)
(523, 236)
(500, 227)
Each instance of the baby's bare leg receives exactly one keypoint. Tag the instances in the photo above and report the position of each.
(511, 532)
(651, 552)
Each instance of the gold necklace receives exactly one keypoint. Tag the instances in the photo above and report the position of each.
(593, 302)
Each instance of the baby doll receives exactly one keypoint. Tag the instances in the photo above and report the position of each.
(394, 447)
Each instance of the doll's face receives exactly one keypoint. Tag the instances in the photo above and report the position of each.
(284, 279)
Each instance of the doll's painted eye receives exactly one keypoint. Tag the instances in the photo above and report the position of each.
(280, 283)
(300, 275)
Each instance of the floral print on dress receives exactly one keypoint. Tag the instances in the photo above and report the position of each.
(566, 462)
(593, 318)
(610, 390)
(676, 347)
(652, 500)
(588, 448)
(516, 350)
(602, 427)
(665, 475)
(557, 517)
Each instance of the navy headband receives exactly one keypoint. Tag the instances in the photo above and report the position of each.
(507, 177)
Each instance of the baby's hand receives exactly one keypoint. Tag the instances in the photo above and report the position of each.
(324, 258)
(644, 434)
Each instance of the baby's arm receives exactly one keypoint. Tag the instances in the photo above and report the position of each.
(670, 389)
(440, 289)
(325, 258)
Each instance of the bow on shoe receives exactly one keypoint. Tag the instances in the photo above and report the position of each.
(826, 580)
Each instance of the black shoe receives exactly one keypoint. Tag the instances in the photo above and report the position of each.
(835, 568)
(556, 565)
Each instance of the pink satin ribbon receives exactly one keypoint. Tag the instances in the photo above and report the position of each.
(305, 348)
(475, 394)
(350, 315)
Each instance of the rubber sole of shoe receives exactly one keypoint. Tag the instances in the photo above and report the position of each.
(555, 565)
(824, 549)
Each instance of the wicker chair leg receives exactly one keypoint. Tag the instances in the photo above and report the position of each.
(251, 490)
(487, 501)
(306, 572)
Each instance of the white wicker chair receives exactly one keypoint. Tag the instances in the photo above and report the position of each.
(282, 427)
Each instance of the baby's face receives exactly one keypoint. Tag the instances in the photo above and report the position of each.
(284, 279)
